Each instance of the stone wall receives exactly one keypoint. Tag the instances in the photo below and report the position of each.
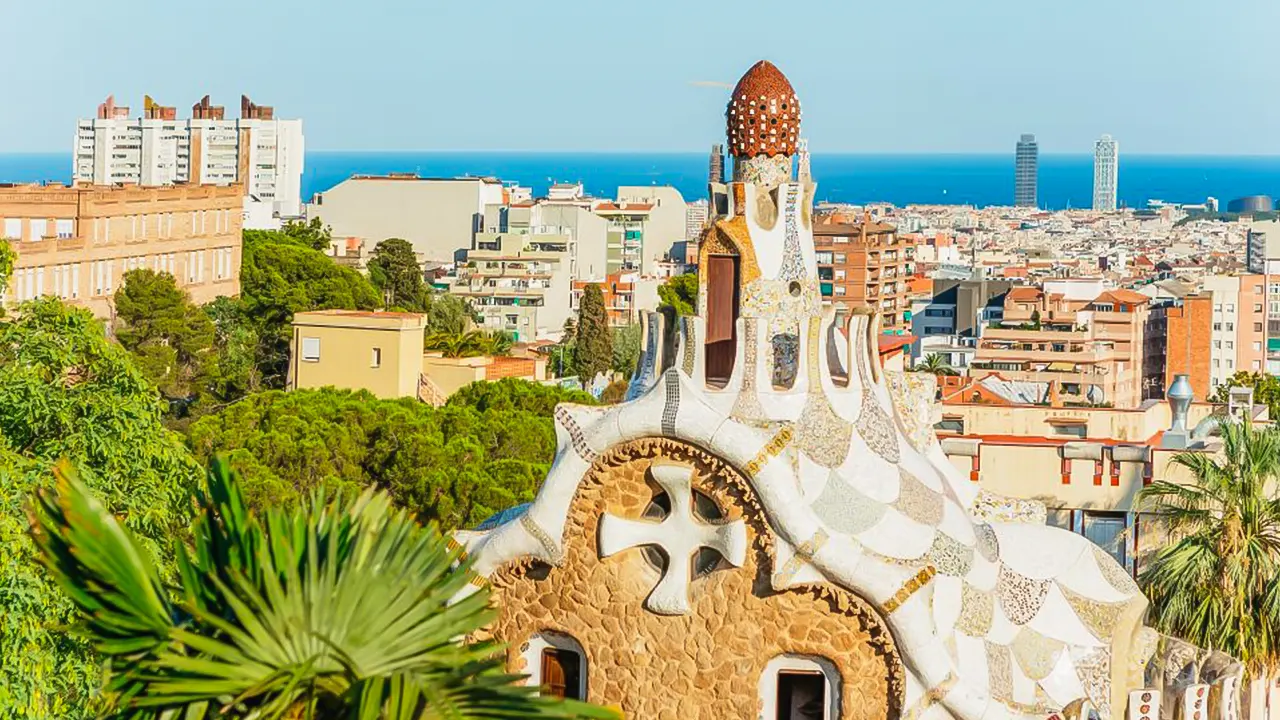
(706, 664)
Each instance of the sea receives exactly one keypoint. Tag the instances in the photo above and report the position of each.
(1065, 181)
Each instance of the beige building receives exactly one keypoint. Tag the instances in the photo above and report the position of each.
(666, 222)
(1086, 465)
(382, 352)
(77, 243)
(519, 284)
(376, 351)
(438, 216)
(1084, 351)
(586, 231)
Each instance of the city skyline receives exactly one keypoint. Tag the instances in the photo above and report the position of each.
(364, 81)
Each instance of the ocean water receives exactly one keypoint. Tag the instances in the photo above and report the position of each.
(1065, 180)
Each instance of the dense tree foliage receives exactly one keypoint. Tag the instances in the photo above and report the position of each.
(680, 292)
(459, 464)
(1266, 390)
(280, 276)
(593, 343)
(314, 234)
(394, 270)
(626, 349)
(7, 259)
(473, 343)
(170, 337)
(343, 608)
(66, 391)
(510, 394)
(449, 314)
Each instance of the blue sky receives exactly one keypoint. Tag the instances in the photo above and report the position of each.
(1162, 76)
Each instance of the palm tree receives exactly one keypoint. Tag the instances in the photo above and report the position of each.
(472, 343)
(341, 609)
(457, 345)
(935, 364)
(1214, 583)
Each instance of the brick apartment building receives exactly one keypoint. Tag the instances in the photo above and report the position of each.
(77, 242)
(866, 263)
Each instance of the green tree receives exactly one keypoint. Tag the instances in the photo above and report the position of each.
(449, 314)
(593, 344)
(280, 276)
(66, 391)
(341, 608)
(234, 372)
(626, 348)
(394, 269)
(1266, 390)
(442, 464)
(473, 343)
(935, 364)
(1214, 583)
(510, 394)
(7, 259)
(680, 292)
(170, 337)
(314, 234)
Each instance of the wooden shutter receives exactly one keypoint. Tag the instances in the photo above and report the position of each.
(722, 297)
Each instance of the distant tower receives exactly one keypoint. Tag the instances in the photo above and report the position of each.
(716, 174)
(1025, 172)
(1106, 169)
(803, 173)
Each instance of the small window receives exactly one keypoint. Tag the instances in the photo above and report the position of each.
(1257, 327)
(950, 425)
(1106, 530)
(801, 695)
(1076, 430)
(376, 361)
(13, 228)
(797, 687)
(311, 349)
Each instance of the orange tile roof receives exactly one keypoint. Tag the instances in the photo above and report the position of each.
(1123, 295)
(1024, 294)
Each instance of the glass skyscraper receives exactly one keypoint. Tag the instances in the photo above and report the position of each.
(1025, 171)
(1106, 169)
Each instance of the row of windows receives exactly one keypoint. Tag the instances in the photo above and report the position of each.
(63, 280)
(40, 228)
(310, 352)
(792, 687)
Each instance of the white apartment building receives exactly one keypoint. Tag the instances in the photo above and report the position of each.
(519, 284)
(257, 150)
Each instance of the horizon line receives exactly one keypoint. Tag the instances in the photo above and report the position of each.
(897, 153)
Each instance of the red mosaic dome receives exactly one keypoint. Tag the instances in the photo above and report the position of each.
(763, 117)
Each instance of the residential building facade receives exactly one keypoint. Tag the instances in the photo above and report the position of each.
(1026, 172)
(77, 243)
(520, 284)
(866, 263)
(1086, 352)
(261, 154)
(626, 296)
(1106, 169)
(438, 216)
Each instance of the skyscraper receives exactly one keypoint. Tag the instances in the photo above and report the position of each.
(716, 170)
(1106, 168)
(1025, 171)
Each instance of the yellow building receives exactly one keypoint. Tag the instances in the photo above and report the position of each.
(77, 243)
(376, 351)
(382, 352)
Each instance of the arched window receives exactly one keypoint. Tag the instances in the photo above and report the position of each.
(800, 687)
(557, 664)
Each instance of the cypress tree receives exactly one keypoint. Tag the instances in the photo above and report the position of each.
(593, 345)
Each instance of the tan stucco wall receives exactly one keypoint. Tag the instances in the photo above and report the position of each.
(451, 375)
(1033, 420)
(438, 217)
(706, 664)
(346, 353)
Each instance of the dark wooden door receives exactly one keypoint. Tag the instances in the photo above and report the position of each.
(722, 315)
(561, 674)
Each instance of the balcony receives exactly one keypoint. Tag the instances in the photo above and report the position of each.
(1034, 336)
(987, 353)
